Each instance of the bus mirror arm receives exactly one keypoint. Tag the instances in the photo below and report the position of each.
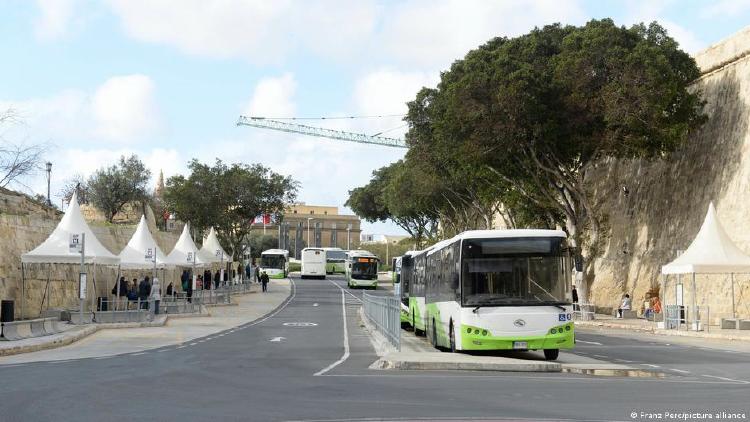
(476, 310)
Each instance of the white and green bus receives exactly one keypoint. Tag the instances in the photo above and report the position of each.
(361, 269)
(416, 274)
(403, 276)
(275, 263)
(313, 263)
(335, 261)
(500, 289)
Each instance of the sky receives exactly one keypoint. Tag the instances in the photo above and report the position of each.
(167, 79)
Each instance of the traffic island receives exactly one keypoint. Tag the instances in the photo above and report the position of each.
(609, 370)
(438, 361)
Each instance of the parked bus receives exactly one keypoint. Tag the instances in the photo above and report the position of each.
(361, 269)
(313, 263)
(335, 260)
(500, 289)
(403, 275)
(275, 262)
(416, 291)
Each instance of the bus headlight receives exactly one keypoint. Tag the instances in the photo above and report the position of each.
(484, 332)
(567, 328)
(553, 331)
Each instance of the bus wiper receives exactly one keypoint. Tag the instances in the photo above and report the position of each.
(476, 309)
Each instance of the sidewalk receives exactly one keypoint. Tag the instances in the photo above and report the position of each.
(98, 340)
(644, 326)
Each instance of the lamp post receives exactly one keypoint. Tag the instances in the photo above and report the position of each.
(308, 230)
(49, 172)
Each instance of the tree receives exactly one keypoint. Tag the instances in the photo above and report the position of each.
(258, 242)
(17, 160)
(228, 198)
(77, 183)
(112, 187)
(539, 111)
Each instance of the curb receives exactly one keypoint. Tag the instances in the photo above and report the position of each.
(658, 331)
(63, 339)
(493, 364)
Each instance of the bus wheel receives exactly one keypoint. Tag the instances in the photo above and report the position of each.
(452, 339)
(551, 354)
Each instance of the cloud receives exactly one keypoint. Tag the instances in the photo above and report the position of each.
(121, 110)
(55, 18)
(262, 31)
(124, 108)
(725, 8)
(273, 97)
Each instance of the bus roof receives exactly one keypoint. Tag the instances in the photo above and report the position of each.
(313, 249)
(360, 252)
(275, 252)
(495, 234)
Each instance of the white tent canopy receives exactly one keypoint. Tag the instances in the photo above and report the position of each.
(711, 252)
(136, 254)
(212, 248)
(56, 248)
(185, 253)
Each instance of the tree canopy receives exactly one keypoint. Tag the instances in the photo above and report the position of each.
(515, 128)
(110, 188)
(228, 197)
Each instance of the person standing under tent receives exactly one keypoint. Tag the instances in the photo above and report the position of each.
(257, 272)
(155, 295)
(170, 289)
(207, 278)
(248, 272)
(217, 278)
(189, 287)
(575, 298)
(144, 291)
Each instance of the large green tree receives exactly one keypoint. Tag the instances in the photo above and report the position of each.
(228, 197)
(110, 188)
(532, 116)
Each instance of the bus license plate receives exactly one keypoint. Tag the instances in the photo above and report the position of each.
(520, 345)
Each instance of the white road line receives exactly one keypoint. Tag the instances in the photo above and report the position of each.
(193, 343)
(601, 356)
(180, 347)
(346, 338)
(588, 342)
(650, 365)
(624, 361)
(162, 350)
(726, 379)
(103, 357)
(138, 354)
(682, 371)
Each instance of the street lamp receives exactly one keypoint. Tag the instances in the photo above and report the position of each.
(308, 230)
(49, 172)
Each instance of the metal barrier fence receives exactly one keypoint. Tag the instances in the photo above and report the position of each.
(583, 311)
(679, 317)
(385, 313)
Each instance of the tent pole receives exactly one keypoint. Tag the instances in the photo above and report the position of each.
(117, 293)
(23, 287)
(734, 311)
(49, 270)
(695, 306)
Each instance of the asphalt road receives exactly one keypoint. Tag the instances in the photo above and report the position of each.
(307, 361)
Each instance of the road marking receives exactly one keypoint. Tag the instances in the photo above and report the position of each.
(346, 338)
(60, 361)
(726, 379)
(193, 343)
(589, 342)
(300, 324)
(103, 357)
(162, 350)
(650, 365)
(180, 347)
(624, 361)
(277, 339)
(138, 354)
(682, 371)
(601, 356)
(315, 304)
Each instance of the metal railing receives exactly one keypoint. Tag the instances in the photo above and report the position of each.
(679, 317)
(385, 313)
(583, 311)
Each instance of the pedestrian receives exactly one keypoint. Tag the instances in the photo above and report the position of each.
(123, 287)
(133, 290)
(264, 281)
(217, 278)
(256, 270)
(144, 291)
(207, 278)
(626, 305)
(189, 287)
(575, 299)
(170, 289)
(156, 295)
(248, 272)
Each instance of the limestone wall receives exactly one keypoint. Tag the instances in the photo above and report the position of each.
(24, 224)
(666, 201)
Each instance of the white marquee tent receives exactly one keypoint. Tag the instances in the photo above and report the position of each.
(711, 252)
(212, 248)
(56, 249)
(142, 252)
(185, 253)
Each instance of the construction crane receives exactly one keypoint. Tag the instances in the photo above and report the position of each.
(263, 123)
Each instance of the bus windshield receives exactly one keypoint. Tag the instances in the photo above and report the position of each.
(272, 261)
(335, 256)
(365, 270)
(513, 272)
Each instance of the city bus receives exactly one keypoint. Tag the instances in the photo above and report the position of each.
(335, 261)
(313, 263)
(498, 290)
(361, 269)
(404, 273)
(416, 291)
(275, 262)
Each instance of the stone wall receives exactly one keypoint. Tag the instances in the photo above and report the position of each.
(664, 203)
(24, 224)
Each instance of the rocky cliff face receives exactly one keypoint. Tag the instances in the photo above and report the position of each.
(655, 209)
(24, 224)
